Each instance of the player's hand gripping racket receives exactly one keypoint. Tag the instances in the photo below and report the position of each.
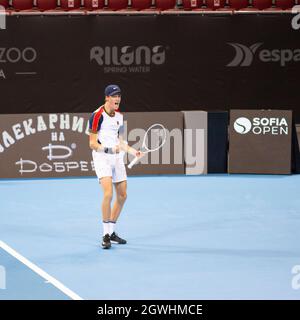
(155, 137)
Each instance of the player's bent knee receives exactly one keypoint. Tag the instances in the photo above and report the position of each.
(108, 196)
(122, 197)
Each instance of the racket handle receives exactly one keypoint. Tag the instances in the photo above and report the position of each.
(133, 162)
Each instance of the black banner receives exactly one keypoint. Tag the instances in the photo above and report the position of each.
(51, 64)
(152, 309)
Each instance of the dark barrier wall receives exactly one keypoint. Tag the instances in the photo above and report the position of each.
(163, 63)
(217, 142)
(296, 149)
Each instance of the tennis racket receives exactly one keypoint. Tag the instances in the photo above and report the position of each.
(155, 137)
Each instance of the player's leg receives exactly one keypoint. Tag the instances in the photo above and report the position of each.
(120, 183)
(104, 173)
(107, 187)
(121, 196)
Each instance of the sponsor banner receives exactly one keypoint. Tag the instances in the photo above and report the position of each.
(245, 55)
(157, 70)
(45, 145)
(57, 145)
(260, 141)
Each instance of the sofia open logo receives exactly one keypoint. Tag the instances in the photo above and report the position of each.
(265, 126)
(242, 125)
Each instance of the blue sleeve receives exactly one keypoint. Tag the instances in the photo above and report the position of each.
(95, 122)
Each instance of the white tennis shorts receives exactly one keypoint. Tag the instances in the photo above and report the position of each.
(110, 165)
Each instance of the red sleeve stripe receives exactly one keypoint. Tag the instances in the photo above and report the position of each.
(96, 120)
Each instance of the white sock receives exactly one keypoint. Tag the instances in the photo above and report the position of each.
(112, 225)
(105, 227)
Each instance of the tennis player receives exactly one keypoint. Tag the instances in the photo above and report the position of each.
(106, 141)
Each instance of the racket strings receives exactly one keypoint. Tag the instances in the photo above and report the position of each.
(154, 138)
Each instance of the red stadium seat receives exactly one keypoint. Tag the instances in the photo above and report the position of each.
(70, 4)
(285, 4)
(192, 4)
(215, 4)
(141, 4)
(19, 5)
(44, 5)
(238, 4)
(262, 4)
(93, 4)
(117, 4)
(4, 3)
(165, 4)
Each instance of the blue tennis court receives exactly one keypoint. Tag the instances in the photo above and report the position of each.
(20, 282)
(198, 237)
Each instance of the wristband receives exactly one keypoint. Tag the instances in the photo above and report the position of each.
(108, 150)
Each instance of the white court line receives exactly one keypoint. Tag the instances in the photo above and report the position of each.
(40, 272)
